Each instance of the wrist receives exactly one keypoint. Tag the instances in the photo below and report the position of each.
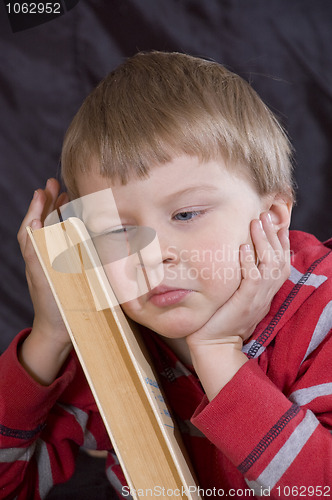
(43, 356)
(216, 363)
(200, 344)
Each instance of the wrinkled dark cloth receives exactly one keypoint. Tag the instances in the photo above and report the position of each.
(283, 48)
(89, 482)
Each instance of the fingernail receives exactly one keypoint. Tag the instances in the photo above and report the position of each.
(34, 224)
(35, 194)
(247, 248)
(260, 224)
(269, 218)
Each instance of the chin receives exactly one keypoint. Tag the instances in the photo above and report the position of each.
(176, 328)
(176, 322)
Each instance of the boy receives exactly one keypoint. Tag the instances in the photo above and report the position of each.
(242, 344)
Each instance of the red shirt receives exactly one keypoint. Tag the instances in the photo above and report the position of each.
(269, 428)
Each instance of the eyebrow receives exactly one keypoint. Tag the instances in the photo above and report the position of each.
(90, 221)
(193, 189)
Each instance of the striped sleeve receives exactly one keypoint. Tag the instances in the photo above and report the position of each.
(277, 440)
(39, 438)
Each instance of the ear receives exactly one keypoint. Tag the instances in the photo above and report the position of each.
(280, 209)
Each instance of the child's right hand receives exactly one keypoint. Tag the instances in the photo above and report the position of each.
(48, 344)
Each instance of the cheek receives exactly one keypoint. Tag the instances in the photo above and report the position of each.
(217, 264)
(131, 309)
(126, 278)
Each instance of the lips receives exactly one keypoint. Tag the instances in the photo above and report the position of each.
(163, 296)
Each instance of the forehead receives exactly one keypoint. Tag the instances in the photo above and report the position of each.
(183, 173)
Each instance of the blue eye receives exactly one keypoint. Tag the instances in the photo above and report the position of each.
(186, 216)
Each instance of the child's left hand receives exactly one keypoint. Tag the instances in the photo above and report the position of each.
(236, 320)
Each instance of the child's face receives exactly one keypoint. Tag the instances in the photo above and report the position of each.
(201, 213)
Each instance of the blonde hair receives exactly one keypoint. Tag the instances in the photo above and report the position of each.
(159, 105)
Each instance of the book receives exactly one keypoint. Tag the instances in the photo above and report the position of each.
(116, 365)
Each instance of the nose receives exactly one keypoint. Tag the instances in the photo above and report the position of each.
(169, 251)
(150, 257)
(154, 258)
(154, 244)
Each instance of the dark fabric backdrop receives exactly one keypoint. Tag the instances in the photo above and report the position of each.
(283, 47)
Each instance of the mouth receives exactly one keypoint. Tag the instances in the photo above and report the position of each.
(163, 296)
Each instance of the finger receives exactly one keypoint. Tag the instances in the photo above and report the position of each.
(51, 192)
(32, 263)
(267, 243)
(259, 284)
(28, 250)
(35, 211)
(260, 241)
(63, 199)
(272, 263)
(283, 235)
(248, 264)
(270, 231)
(41, 198)
(52, 188)
(278, 239)
(42, 203)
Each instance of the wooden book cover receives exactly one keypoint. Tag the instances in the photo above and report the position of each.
(116, 365)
